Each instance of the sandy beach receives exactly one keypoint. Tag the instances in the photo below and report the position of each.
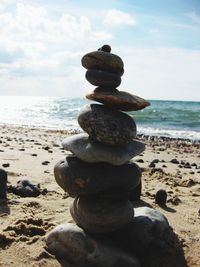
(31, 154)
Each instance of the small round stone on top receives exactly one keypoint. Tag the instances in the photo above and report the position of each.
(105, 48)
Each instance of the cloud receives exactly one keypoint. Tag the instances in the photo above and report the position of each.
(162, 73)
(116, 17)
(38, 52)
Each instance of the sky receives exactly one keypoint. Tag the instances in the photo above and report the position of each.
(42, 42)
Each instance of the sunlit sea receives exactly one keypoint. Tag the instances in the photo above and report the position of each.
(179, 119)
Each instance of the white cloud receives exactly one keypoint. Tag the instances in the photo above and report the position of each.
(116, 17)
(164, 73)
(40, 53)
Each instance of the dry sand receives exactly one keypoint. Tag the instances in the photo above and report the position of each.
(24, 221)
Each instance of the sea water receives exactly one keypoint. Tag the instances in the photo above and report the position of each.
(179, 119)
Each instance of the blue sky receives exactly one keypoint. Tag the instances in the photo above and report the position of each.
(42, 43)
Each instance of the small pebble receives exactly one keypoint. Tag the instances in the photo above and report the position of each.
(174, 161)
(105, 48)
(6, 165)
(46, 162)
(161, 197)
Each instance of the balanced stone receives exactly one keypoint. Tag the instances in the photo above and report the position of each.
(81, 178)
(100, 214)
(89, 150)
(3, 184)
(73, 247)
(106, 125)
(103, 78)
(100, 60)
(118, 99)
(148, 228)
(105, 48)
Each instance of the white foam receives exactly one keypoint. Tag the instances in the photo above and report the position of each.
(193, 135)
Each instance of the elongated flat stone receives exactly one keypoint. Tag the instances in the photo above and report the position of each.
(90, 151)
(103, 78)
(82, 178)
(100, 214)
(118, 99)
(106, 125)
(74, 247)
(100, 60)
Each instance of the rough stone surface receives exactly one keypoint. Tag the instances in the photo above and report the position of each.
(81, 178)
(74, 248)
(101, 214)
(100, 60)
(118, 99)
(107, 126)
(3, 184)
(90, 151)
(25, 188)
(103, 78)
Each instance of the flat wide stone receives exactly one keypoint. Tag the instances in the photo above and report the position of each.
(82, 178)
(103, 78)
(90, 151)
(101, 214)
(75, 248)
(118, 99)
(100, 60)
(106, 125)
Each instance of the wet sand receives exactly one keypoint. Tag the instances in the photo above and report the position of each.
(32, 154)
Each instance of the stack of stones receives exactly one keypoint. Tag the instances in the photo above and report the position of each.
(100, 174)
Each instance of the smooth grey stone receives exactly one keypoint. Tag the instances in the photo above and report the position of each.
(90, 151)
(103, 78)
(148, 228)
(100, 60)
(74, 248)
(118, 99)
(106, 125)
(101, 214)
(78, 177)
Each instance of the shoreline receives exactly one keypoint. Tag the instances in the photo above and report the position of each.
(141, 136)
(167, 163)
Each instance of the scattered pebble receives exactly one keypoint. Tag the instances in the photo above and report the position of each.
(161, 197)
(174, 161)
(140, 160)
(25, 188)
(46, 162)
(6, 165)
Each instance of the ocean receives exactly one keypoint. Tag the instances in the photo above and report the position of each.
(177, 119)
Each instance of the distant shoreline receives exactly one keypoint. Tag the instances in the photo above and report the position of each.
(141, 136)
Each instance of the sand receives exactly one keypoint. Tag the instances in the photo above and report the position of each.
(25, 221)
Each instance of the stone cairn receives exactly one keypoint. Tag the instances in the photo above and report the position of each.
(99, 174)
